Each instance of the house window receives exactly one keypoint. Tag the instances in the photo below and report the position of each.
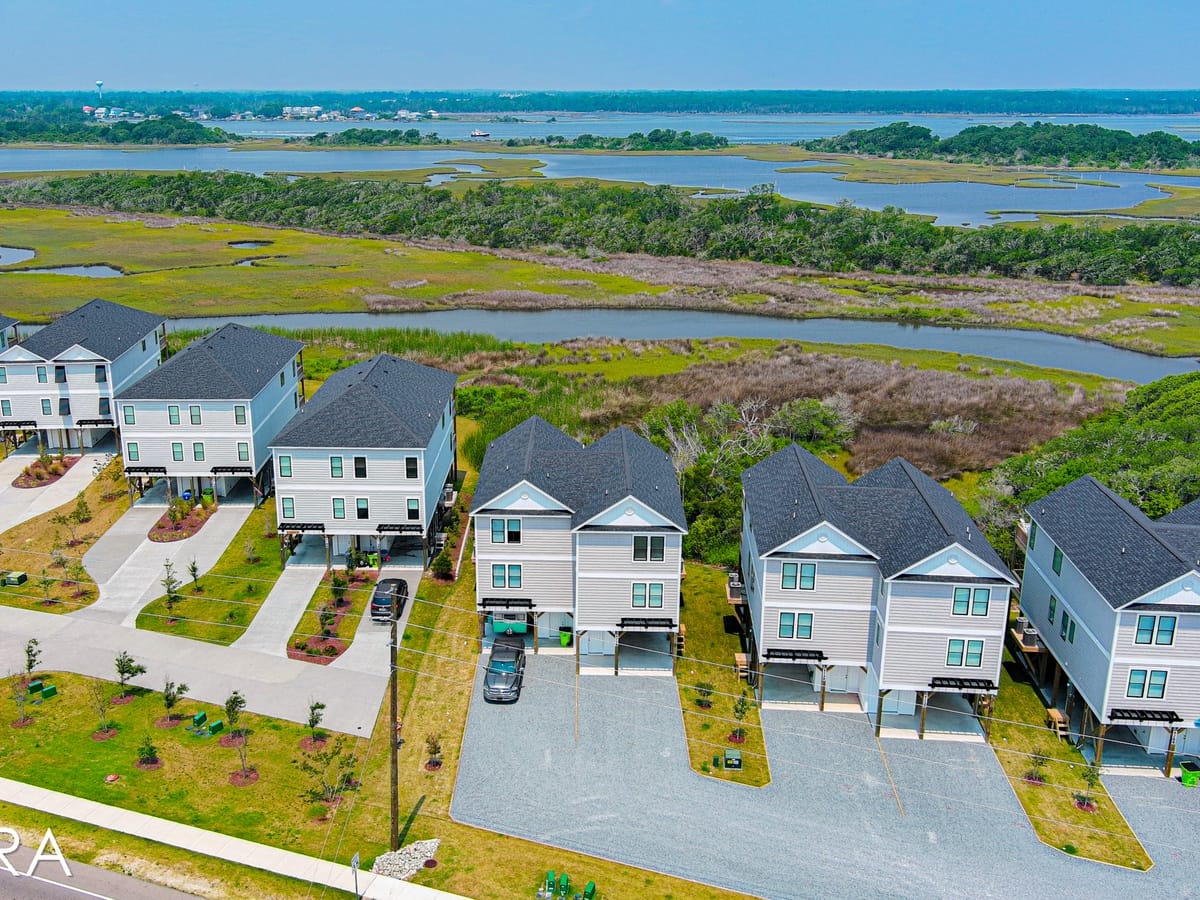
(64, 406)
(787, 624)
(414, 510)
(3, 375)
(131, 452)
(339, 507)
(362, 508)
(281, 379)
(177, 451)
(41, 374)
(410, 467)
(5, 408)
(506, 531)
(954, 652)
(1032, 534)
(878, 632)
(243, 451)
(239, 415)
(335, 467)
(808, 576)
(506, 576)
(360, 467)
(1066, 631)
(962, 601)
(101, 373)
(130, 419)
(194, 412)
(1053, 608)
(656, 595)
(980, 599)
(285, 467)
(289, 507)
(173, 415)
(143, 345)
(1137, 686)
(60, 374)
(1155, 630)
(47, 409)
(647, 595)
(104, 407)
(975, 653)
(198, 451)
(804, 625)
(1056, 563)
(648, 547)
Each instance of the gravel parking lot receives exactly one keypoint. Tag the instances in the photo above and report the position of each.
(829, 824)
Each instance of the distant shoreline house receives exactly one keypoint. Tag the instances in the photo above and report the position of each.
(60, 381)
(368, 460)
(1115, 598)
(204, 419)
(580, 544)
(883, 588)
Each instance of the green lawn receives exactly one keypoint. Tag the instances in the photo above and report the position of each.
(310, 637)
(44, 550)
(229, 596)
(1019, 733)
(708, 657)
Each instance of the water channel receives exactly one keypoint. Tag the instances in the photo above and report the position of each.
(1030, 347)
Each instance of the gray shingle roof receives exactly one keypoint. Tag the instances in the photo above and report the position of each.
(232, 363)
(104, 328)
(896, 511)
(1185, 515)
(7, 322)
(383, 402)
(1112, 542)
(587, 480)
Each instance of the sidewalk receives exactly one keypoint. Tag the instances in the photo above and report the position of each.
(210, 843)
(273, 685)
(281, 611)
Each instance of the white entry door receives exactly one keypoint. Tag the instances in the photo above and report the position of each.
(598, 642)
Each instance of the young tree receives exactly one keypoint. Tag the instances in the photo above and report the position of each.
(332, 769)
(250, 552)
(316, 712)
(171, 695)
(46, 582)
(101, 701)
(194, 574)
(337, 587)
(704, 691)
(170, 585)
(83, 511)
(147, 752)
(1091, 777)
(433, 747)
(741, 706)
(79, 576)
(127, 667)
(32, 656)
(68, 522)
(234, 704)
(20, 696)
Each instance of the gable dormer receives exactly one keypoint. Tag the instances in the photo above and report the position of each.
(955, 561)
(523, 497)
(824, 540)
(629, 513)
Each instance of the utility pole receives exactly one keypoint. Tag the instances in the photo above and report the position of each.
(393, 736)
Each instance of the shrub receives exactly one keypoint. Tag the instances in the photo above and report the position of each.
(442, 566)
(147, 752)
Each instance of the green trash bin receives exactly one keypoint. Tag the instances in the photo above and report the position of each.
(564, 637)
(1189, 774)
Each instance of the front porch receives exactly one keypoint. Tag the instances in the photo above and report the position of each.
(797, 686)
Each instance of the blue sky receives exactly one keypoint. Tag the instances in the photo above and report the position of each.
(597, 44)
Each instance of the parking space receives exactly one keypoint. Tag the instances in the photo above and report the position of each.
(830, 824)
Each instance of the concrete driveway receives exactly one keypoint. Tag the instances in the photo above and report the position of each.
(19, 505)
(829, 824)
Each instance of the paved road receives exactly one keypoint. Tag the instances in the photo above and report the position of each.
(49, 882)
(829, 824)
(272, 685)
(128, 566)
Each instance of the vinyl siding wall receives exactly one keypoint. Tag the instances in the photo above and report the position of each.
(135, 363)
(840, 603)
(435, 463)
(217, 431)
(25, 393)
(544, 554)
(273, 408)
(386, 488)
(1181, 661)
(606, 572)
(920, 623)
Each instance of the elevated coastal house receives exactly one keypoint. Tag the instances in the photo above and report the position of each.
(882, 588)
(61, 380)
(205, 418)
(368, 460)
(1114, 598)
(577, 541)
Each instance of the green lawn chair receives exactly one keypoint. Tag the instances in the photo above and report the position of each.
(589, 892)
(564, 884)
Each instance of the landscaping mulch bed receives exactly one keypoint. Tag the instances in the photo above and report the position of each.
(232, 740)
(237, 779)
(163, 532)
(21, 723)
(167, 722)
(104, 735)
(149, 766)
(310, 745)
(736, 738)
(122, 700)
(30, 480)
(318, 655)
(1088, 807)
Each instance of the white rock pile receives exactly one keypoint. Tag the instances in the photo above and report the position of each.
(407, 861)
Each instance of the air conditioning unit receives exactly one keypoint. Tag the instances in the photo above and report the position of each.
(448, 496)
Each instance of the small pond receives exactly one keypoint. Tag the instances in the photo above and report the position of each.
(250, 245)
(11, 255)
(93, 271)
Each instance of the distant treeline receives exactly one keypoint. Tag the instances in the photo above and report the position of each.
(271, 103)
(659, 220)
(656, 139)
(370, 137)
(167, 130)
(1039, 144)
